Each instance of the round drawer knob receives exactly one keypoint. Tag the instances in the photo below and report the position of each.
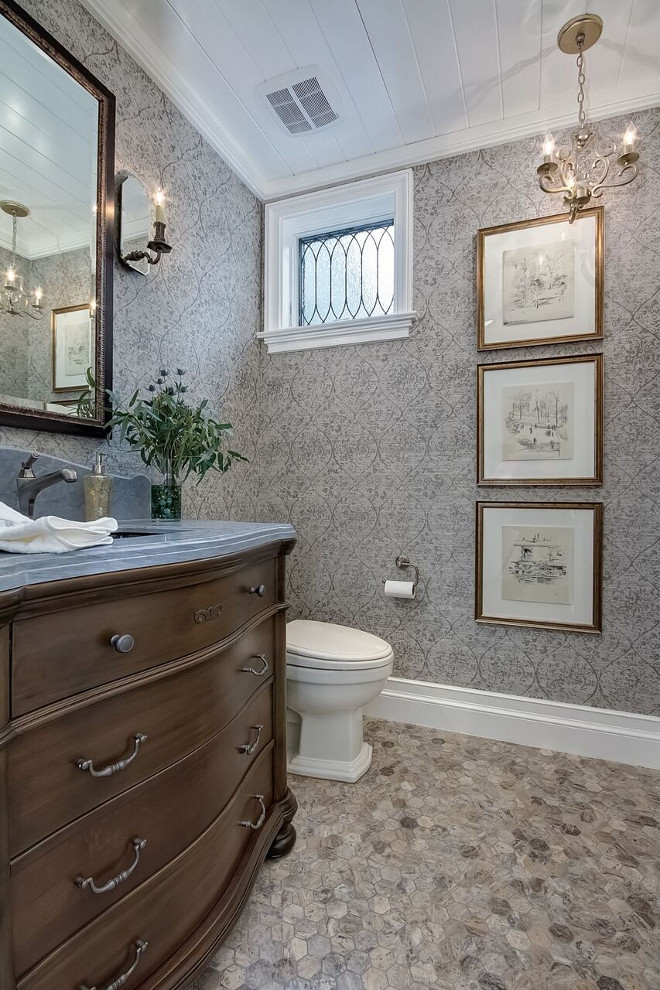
(123, 643)
(258, 589)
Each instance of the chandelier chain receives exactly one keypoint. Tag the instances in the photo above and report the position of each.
(14, 233)
(582, 117)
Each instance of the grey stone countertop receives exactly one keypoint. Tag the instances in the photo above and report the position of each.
(156, 543)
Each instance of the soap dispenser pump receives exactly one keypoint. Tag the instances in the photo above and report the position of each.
(98, 487)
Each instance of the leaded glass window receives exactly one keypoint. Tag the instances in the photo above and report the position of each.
(347, 274)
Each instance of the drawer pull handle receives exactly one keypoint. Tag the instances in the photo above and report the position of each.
(249, 748)
(88, 765)
(258, 589)
(140, 948)
(123, 643)
(206, 614)
(82, 882)
(257, 673)
(262, 817)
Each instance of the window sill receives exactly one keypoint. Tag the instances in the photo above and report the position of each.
(394, 326)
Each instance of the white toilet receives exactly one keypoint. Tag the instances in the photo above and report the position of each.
(332, 673)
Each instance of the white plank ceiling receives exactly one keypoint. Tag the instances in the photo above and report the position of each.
(418, 79)
(48, 136)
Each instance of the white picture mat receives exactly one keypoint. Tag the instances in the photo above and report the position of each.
(583, 232)
(580, 613)
(583, 463)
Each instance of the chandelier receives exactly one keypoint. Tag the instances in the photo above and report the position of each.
(14, 299)
(584, 169)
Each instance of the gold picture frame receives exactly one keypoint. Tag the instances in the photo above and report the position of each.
(63, 322)
(519, 304)
(545, 598)
(568, 434)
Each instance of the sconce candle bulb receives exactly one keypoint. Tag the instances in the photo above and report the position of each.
(159, 200)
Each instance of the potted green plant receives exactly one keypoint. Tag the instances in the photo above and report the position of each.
(176, 438)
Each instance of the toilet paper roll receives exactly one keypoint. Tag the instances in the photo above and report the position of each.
(399, 589)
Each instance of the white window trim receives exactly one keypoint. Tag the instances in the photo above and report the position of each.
(380, 198)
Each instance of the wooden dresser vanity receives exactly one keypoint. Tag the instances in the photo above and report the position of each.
(142, 766)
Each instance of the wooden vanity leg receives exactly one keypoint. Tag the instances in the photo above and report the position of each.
(285, 839)
(7, 981)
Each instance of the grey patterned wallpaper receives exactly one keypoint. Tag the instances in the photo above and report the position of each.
(200, 309)
(370, 452)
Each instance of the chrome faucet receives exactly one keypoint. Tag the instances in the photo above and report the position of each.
(29, 486)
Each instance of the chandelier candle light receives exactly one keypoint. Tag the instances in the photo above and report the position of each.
(583, 170)
(14, 300)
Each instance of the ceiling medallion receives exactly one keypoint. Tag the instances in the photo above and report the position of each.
(584, 169)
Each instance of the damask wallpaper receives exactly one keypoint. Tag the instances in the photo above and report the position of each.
(200, 309)
(370, 451)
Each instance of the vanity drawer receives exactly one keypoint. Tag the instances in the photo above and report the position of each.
(167, 908)
(60, 654)
(167, 811)
(177, 714)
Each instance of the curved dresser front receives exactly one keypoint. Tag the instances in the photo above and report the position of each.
(142, 767)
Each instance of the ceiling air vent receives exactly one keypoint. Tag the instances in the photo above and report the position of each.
(303, 100)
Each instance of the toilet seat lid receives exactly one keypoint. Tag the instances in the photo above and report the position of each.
(307, 640)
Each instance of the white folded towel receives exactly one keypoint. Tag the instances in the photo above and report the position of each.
(50, 534)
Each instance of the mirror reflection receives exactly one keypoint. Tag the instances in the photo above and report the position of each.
(48, 201)
(135, 224)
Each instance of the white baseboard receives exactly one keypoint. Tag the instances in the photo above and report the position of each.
(622, 737)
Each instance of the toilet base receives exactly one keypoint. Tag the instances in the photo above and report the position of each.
(348, 771)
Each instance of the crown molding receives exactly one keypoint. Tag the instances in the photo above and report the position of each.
(25, 253)
(142, 49)
(446, 146)
(138, 43)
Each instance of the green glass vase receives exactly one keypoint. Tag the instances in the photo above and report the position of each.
(166, 496)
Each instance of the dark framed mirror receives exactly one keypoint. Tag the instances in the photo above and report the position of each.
(57, 127)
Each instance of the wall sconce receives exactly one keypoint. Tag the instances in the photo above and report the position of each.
(134, 218)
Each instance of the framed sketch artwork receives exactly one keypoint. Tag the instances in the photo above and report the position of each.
(540, 281)
(72, 347)
(541, 422)
(539, 564)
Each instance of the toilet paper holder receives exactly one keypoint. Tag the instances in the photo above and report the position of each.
(403, 564)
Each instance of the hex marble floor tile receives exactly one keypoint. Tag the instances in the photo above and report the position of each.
(460, 864)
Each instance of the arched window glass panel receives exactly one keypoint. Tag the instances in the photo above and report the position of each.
(347, 274)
